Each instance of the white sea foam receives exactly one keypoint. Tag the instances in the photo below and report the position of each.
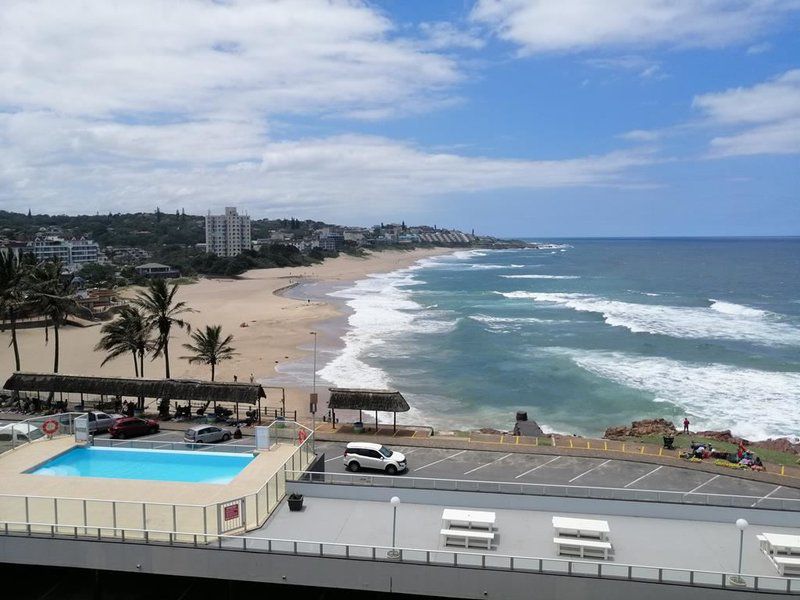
(742, 323)
(540, 276)
(488, 267)
(507, 324)
(382, 310)
(753, 403)
(468, 254)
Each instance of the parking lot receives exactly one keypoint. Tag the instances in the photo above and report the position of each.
(481, 465)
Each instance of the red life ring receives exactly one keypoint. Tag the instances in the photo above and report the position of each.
(301, 435)
(50, 427)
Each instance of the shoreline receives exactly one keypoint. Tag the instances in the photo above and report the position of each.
(270, 327)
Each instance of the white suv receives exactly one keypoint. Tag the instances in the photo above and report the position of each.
(364, 455)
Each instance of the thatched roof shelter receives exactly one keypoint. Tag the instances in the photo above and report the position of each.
(174, 389)
(366, 399)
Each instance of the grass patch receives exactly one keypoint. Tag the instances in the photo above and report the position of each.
(683, 442)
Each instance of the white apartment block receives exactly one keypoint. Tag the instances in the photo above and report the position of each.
(70, 252)
(228, 234)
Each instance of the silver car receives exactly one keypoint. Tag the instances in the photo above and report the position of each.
(206, 434)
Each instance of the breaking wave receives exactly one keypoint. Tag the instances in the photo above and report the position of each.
(540, 276)
(720, 320)
(754, 403)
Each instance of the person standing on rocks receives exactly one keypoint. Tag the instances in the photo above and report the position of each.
(685, 424)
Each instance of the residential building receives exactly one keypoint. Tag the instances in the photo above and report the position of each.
(229, 234)
(71, 252)
(331, 241)
(126, 255)
(157, 270)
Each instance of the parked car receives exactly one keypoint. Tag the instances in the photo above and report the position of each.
(206, 434)
(24, 432)
(100, 421)
(365, 455)
(128, 427)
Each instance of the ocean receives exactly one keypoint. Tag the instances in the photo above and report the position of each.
(584, 334)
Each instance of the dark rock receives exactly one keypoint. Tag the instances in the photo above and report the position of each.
(641, 428)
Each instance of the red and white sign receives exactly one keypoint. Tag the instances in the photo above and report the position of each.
(232, 512)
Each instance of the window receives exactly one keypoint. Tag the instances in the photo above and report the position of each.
(385, 451)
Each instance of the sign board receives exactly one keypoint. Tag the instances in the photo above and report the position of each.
(262, 438)
(312, 404)
(232, 512)
(82, 428)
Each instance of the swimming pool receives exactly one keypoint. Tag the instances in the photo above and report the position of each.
(158, 465)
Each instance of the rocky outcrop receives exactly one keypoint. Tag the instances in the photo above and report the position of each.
(641, 428)
(779, 445)
(721, 436)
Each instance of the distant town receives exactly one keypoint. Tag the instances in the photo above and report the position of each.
(119, 249)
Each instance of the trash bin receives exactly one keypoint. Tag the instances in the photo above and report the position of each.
(358, 427)
(668, 441)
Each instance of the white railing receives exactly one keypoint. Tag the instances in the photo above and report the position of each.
(146, 444)
(546, 489)
(19, 433)
(414, 556)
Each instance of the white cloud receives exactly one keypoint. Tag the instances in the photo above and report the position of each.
(759, 48)
(771, 110)
(441, 35)
(642, 135)
(343, 177)
(538, 26)
(151, 57)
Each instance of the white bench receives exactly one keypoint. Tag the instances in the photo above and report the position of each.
(465, 536)
(582, 528)
(582, 547)
(471, 519)
(763, 544)
(786, 564)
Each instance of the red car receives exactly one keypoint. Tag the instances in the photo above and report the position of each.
(132, 427)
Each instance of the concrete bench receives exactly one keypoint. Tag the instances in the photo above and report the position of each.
(787, 565)
(763, 544)
(466, 536)
(582, 547)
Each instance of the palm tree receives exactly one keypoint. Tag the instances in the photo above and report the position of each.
(51, 296)
(157, 301)
(129, 332)
(209, 348)
(12, 295)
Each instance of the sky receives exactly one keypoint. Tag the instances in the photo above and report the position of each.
(540, 118)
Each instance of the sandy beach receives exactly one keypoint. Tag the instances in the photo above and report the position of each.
(269, 328)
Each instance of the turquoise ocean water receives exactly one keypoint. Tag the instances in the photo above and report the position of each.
(584, 334)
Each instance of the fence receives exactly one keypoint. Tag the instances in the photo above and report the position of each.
(548, 489)
(412, 556)
(107, 517)
(19, 433)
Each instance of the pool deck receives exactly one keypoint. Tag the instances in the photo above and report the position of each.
(15, 481)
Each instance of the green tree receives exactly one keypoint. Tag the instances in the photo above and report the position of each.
(129, 332)
(52, 296)
(12, 295)
(161, 311)
(209, 348)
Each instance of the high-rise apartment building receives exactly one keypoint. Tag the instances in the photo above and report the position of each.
(228, 234)
(70, 252)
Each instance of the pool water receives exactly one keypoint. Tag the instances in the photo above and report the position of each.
(159, 465)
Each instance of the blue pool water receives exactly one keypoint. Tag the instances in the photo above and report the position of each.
(159, 465)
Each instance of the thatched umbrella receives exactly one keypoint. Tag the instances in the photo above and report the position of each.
(367, 399)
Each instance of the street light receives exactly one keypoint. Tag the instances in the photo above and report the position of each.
(741, 525)
(313, 403)
(394, 553)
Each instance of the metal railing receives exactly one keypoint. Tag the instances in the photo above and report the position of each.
(19, 433)
(547, 489)
(146, 444)
(414, 556)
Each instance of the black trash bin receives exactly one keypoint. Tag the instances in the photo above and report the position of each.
(668, 441)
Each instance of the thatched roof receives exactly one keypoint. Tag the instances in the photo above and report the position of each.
(363, 399)
(175, 389)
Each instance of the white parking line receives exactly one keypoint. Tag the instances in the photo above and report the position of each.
(757, 502)
(643, 476)
(436, 462)
(590, 470)
(487, 464)
(701, 485)
(327, 460)
(157, 435)
(539, 467)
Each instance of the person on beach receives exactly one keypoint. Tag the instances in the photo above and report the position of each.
(252, 378)
(685, 424)
(235, 378)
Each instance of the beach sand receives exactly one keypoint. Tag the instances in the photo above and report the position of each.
(269, 328)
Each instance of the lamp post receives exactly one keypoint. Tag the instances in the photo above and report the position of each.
(313, 403)
(741, 525)
(394, 552)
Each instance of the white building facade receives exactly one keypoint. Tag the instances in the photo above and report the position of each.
(70, 252)
(229, 234)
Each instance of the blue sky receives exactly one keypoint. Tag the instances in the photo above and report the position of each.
(512, 117)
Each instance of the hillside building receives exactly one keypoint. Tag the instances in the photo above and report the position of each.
(74, 252)
(229, 234)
